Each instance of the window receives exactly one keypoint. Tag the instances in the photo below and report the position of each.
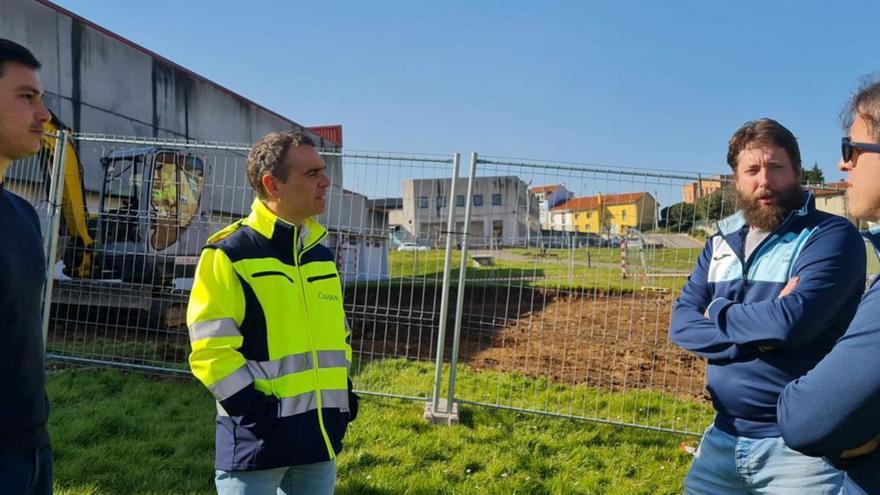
(174, 196)
(441, 201)
(478, 200)
(423, 201)
(459, 200)
(496, 200)
(623, 215)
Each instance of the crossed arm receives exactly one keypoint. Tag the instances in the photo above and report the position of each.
(828, 274)
(831, 411)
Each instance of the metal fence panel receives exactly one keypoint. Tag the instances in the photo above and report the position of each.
(561, 277)
(152, 204)
(570, 317)
(583, 302)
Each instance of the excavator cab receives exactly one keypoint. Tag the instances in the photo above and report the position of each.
(177, 183)
(149, 200)
(146, 228)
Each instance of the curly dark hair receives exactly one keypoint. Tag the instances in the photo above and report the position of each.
(267, 156)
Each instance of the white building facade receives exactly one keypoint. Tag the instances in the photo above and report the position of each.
(503, 211)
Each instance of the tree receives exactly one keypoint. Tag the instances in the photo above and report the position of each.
(814, 175)
(719, 204)
(678, 217)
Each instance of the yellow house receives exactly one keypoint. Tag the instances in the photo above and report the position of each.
(611, 213)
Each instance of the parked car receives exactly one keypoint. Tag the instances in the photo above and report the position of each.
(412, 246)
(592, 240)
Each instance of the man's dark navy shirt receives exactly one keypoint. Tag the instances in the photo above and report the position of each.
(24, 408)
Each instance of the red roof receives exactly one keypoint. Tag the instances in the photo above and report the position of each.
(329, 132)
(819, 193)
(593, 202)
(830, 189)
(546, 189)
(837, 185)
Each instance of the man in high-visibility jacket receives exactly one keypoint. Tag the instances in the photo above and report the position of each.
(269, 334)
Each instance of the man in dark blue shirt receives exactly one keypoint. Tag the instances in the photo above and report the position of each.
(741, 311)
(25, 454)
(833, 410)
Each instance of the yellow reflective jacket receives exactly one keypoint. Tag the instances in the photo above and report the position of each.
(269, 340)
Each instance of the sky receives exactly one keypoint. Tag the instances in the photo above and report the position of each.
(658, 85)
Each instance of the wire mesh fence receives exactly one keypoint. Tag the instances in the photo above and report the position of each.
(570, 287)
(122, 273)
(123, 269)
(528, 285)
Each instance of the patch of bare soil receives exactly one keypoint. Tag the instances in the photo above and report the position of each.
(611, 340)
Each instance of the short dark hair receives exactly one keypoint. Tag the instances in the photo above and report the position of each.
(268, 154)
(11, 51)
(763, 132)
(865, 102)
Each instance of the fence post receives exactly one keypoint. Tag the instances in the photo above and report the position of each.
(462, 275)
(433, 408)
(56, 191)
(623, 258)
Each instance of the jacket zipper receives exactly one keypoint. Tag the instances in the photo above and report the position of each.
(770, 238)
(308, 330)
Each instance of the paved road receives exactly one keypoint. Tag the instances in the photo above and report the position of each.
(674, 240)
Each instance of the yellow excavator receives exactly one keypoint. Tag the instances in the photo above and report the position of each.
(73, 206)
(151, 218)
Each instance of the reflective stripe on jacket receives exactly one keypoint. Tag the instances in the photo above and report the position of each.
(268, 334)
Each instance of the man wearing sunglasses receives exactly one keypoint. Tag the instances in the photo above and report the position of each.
(833, 410)
(771, 293)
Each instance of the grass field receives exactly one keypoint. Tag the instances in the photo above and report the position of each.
(116, 432)
(582, 268)
(552, 268)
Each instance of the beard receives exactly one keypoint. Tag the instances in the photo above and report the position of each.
(768, 217)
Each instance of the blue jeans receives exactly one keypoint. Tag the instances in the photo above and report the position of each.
(726, 464)
(27, 472)
(318, 479)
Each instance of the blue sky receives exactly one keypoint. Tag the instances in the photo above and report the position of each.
(643, 84)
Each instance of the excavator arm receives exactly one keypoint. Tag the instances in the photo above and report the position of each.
(73, 203)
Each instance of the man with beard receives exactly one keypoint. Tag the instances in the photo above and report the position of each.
(833, 410)
(771, 293)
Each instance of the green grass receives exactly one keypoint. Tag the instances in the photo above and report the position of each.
(593, 268)
(126, 433)
(171, 354)
(643, 407)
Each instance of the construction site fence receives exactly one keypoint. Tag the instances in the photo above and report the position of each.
(523, 285)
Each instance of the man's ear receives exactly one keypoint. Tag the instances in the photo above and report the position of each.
(270, 186)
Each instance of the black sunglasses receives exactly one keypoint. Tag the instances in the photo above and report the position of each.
(847, 146)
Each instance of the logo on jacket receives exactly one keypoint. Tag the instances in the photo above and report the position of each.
(716, 258)
(327, 297)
